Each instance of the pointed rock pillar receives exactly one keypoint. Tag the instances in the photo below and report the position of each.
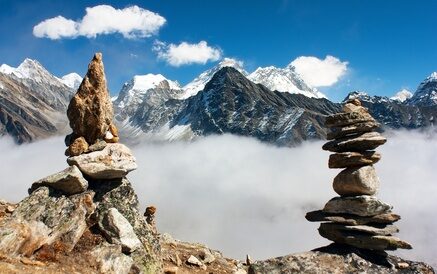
(90, 110)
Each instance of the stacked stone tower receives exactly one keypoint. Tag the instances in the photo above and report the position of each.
(356, 217)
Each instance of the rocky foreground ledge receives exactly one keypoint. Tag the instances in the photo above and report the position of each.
(182, 257)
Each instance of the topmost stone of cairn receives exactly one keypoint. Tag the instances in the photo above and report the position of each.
(90, 111)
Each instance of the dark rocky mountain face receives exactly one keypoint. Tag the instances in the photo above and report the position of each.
(394, 114)
(230, 103)
(33, 105)
(31, 110)
(426, 93)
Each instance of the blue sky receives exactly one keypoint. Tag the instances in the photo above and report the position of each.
(388, 44)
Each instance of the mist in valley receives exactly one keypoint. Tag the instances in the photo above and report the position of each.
(240, 196)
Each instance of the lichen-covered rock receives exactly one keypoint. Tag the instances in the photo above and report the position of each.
(78, 146)
(337, 258)
(111, 260)
(355, 181)
(363, 205)
(119, 194)
(114, 161)
(353, 159)
(20, 237)
(365, 141)
(59, 220)
(69, 181)
(90, 110)
(119, 231)
(97, 146)
(348, 219)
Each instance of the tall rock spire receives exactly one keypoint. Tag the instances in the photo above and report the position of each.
(90, 111)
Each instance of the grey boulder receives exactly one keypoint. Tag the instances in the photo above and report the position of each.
(113, 161)
(69, 181)
(118, 230)
(363, 205)
(356, 181)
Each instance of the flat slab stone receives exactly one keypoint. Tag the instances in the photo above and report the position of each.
(353, 159)
(339, 132)
(384, 230)
(348, 219)
(355, 181)
(360, 240)
(363, 205)
(113, 161)
(118, 230)
(69, 181)
(348, 118)
(365, 141)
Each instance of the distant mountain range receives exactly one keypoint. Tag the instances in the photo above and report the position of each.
(271, 104)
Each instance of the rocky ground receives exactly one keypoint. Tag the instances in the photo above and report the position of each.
(181, 257)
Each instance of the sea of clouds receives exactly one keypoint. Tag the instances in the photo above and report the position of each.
(240, 196)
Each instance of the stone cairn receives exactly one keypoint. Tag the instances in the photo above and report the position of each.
(92, 195)
(357, 217)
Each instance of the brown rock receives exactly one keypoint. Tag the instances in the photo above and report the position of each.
(90, 111)
(348, 219)
(339, 132)
(366, 141)
(353, 159)
(113, 129)
(354, 101)
(344, 119)
(78, 147)
(355, 181)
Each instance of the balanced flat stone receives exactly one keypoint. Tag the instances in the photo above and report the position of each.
(69, 181)
(363, 205)
(357, 128)
(365, 141)
(355, 181)
(348, 118)
(118, 230)
(353, 159)
(360, 240)
(385, 230)
(348, 219)
(114, 161)
(90, 111)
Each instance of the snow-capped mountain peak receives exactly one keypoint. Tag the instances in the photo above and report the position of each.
(72, 80)
(426, 93)
(133, 91)
(199, 83)
(32, 70)
(150, 81)
(283, 80)
(402, 95)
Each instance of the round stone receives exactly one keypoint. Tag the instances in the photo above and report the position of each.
(356, 181)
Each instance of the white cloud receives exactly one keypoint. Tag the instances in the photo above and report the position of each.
(320, 73)
(131, 22)
(186, 53)
(244, 197)
(56, 28)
